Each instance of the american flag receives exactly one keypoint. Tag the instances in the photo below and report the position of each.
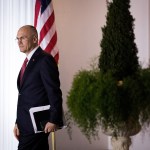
(44, 21)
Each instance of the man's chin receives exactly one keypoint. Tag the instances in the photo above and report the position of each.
(23, 51)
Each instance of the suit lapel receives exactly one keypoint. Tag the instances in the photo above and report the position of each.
(30, 65)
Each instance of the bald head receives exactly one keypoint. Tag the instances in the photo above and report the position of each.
(30, 29)
(27, 37)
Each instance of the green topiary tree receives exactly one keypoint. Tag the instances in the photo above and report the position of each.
(120, 93)
(116, 94)
(119, 51)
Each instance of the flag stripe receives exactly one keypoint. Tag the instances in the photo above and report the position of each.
(46, 27)
(44, 21)
(37, 11)
(44, 16)
(48, 36)
(52, 43)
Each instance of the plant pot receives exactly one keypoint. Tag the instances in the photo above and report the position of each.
(121, 137)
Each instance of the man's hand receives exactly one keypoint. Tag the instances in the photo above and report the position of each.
(16, 132)
(50, 127)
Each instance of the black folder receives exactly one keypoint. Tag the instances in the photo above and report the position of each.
(39, 117)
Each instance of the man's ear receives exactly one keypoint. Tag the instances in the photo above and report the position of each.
(35, 39)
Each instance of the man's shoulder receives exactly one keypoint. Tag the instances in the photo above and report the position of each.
(45, 56)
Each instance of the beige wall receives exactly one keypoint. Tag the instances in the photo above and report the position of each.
(140, 11)
(78, 24)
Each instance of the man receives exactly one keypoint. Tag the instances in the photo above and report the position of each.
(38, 86)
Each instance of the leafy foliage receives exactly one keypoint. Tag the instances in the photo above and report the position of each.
(118, 93)
(119, 100)
(145, 113)
(81, 100)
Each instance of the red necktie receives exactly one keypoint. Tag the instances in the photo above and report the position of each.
(23, 69)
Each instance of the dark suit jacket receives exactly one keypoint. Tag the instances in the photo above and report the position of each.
(40, 86)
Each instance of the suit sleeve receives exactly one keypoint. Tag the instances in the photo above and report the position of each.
(50, 78)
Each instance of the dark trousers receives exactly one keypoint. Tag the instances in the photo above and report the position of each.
(37, 141)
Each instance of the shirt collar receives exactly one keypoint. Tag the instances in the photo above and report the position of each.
(31, 53)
